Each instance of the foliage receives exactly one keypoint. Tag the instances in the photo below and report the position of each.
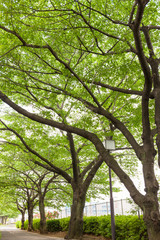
(91, 225)
(49, 215)
(91, 70)
(52, 215)
(53, 225)
(36, 216)
(7, 199)
(36, 224)
(127, 227)
(26, 225)
(64, 222)
(18, 224)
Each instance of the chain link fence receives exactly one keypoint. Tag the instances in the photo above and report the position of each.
(121, 207)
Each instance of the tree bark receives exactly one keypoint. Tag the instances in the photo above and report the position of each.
(22, 220)
(151, 212)
(30, 217)
(152, 218)
(22, 209)
(43, 227)
(76, 221)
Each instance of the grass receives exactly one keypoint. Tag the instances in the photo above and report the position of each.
(0, 235)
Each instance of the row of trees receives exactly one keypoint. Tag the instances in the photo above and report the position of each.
(26, 187)
(30, 183)
(90, 69)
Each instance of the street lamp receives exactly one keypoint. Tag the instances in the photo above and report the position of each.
(110, 145)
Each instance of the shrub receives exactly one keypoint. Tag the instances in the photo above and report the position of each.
(53, 225)
(51, 215)
(105, 226)
(36, 224)
(91, 225)
(64, 222)
(36, 216)
(18, 224)
(26, 224)
(127, 227)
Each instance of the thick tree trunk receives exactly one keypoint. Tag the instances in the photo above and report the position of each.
(4, 220)
(22, 220)
(153, 232)
(43, 227)
(151, 211)
(152, 218)
(30, 217)
(76, 221)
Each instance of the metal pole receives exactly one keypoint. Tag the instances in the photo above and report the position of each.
(122, 206)
(112, 207)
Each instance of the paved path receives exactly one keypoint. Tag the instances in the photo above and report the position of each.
(10, 232)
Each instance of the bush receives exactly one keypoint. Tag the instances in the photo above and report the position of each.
(52, 215)
(18, 224)
(91, 225)
(36, 224)
(64, 222)
(127, 227)
(130, 228)
(53, 225)
(105, 226)
(26, 225)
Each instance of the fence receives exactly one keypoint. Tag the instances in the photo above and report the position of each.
(121, 207)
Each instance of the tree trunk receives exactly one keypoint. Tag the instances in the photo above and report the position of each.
(22, 220)
(30, 217)
(152, 218)
(76, 221)
(151, 212)
(153, 233)
(43, 227)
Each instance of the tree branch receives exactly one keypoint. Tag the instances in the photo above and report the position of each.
(92, 173)
(53, 167)
(74, 157)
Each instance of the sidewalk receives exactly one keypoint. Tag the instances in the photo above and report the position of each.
(10, 232)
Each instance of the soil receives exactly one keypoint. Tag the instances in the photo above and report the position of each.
(85, 236)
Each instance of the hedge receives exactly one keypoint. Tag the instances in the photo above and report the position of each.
(53, 225)
(36, 224)
(18, 224)
(64, 222)
(127, 227)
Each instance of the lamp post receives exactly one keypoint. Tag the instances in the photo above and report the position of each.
(110, 145)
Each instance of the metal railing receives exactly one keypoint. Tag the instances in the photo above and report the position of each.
(121, 207)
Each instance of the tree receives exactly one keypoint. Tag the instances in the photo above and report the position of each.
(7, 195)
(37, 181)
(27, 179)
(95, 63)
(68, 159)
(22, 206)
